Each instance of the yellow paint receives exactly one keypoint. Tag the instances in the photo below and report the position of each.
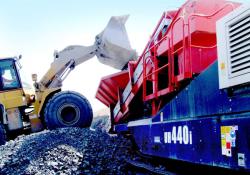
(222, 66)
(12, 98)
(41, 97)
(48, 76)
(223, 142)
(222, 129)
(223, 136)
(225, 129)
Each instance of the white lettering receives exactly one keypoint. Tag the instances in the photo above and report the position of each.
(174, 135)
(169, 137)
(165, 137)
(179, 134)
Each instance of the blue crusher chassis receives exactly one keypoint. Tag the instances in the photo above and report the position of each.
(202, 124)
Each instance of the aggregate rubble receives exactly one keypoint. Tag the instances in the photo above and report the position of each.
(66, 151)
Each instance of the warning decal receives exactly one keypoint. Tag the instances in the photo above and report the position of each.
(228, 139)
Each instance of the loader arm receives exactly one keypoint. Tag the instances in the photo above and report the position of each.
(111, 47)
(64, 62)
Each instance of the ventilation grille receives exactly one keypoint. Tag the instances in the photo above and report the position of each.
(239, 47)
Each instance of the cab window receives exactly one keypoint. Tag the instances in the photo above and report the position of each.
(9, 78)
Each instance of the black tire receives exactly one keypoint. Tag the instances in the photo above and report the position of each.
(68, 109)
(3, 137)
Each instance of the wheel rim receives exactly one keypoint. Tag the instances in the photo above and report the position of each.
(69, 114)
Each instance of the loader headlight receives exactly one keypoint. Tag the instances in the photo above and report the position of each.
(34, 77)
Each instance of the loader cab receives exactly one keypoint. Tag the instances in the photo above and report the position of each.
(9, 77)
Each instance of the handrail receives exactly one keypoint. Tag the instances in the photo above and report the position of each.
(204, 47)
(148, 49)
(157, 70)
(213, 14)
(171, 50)
(144, 65)
(203, 16)
(144, 74)
(157, 43)
(155, 67)
(162, 67)
(177, 50)
(144, 51)
(183, 41)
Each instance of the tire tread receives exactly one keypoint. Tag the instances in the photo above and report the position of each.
(48, 112)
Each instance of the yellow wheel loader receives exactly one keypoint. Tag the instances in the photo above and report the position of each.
(49, 107)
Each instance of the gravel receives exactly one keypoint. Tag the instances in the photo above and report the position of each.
(65, 151)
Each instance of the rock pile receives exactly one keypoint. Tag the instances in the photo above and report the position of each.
(65, 151)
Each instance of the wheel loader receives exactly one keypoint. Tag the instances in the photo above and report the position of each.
(49, 107)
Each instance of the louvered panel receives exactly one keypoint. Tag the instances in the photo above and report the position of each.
(233, 46)
(238, 30)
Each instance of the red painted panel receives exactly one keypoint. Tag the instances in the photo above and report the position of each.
(188, 47)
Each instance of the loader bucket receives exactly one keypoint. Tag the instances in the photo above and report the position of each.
(113, 46)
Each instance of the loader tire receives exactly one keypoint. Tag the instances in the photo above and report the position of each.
(68, 109)
(3, 136)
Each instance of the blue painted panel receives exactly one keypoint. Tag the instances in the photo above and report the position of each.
(121, 128)
(204, 109)
(202, 97)
(205, 148)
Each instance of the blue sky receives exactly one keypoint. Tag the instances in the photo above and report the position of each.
(36, 28)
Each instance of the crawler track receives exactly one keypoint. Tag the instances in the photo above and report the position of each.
(139, 163)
